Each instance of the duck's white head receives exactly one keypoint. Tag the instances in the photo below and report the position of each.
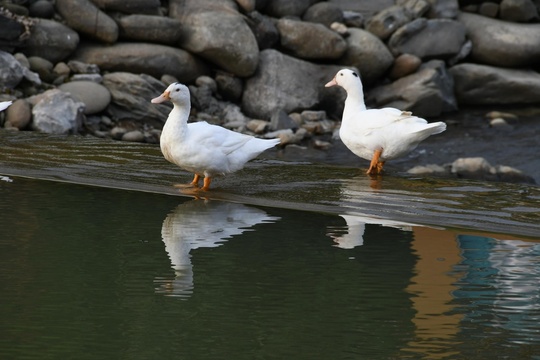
(347, 79)
(177, 93)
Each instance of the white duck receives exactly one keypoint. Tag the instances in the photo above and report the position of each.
(4, 105)
(201, 148)
(378, 134)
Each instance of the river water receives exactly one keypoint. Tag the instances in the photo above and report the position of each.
(102, 259)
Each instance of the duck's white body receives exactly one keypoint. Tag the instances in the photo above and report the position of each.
(378, 134)
(4, 105)
(201, 148)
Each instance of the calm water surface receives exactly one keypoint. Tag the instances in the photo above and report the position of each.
(94, 273)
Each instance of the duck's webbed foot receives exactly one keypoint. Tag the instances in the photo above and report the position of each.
(376, 166)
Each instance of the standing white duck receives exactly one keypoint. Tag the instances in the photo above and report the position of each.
(201, 148)
(4, 105)
(378, 134)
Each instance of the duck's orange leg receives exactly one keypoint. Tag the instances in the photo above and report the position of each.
(195, 181)
(206, 184)
(375, 166)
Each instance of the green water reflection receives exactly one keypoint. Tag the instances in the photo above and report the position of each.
(93, 273)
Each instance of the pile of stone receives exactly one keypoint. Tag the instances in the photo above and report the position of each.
(258, 66)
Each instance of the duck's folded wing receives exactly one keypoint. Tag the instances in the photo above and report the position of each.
(218, 138)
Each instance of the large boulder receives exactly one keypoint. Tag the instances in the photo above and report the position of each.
(57, 112)
(487, 85)
(51, 40)
(149, 7)
(150, 28)
(324, 13)
(518, 10)
(309, 40)
(11, 71)
(281, 8)
(218, 33)
(95, 96)
(428, 39)
(502, 43)
(428, 92)
(131, 95)
(384, 23)
(282, 82)
(368, 54)
(85, 17)
(152, 59)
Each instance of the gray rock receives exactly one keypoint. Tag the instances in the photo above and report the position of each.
(518, 10)
(149, 7)
(150, 28)
(281, 8)
(427, 93)
(11, 71)
(489, 9)
(57, 112)
(324, 13)
(85, 17)
(448, 9)
(152, 59)
(416, 8)
(430, 170)
(14, 31)
(43, 67)
(283, 82)
(365, 7)
(309, 40)
(79, 67)
(19, 115)
(217, 33)
(502, 43)
(41, 9)
(51, 40)
(313, 115)
(133, 136)
(427, 39)
(368, 54)
(229, 86)
(488, 85)
(280, 120)
(353, 19)
(264, 29)
(476, 167)
(386, 22)
(131, 95)
(247, 5)
(95, 97)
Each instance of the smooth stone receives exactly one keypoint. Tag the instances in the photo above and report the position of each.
(96, 97)
(150, 28)
(324, 13)
(282, 8)
(19, 114)
(502, 43)
(404, 64)
(51, 40)
(368, 54)
(518, 10)
(489, 9)
(309, 40)
(386, 22)
(152, 59)
(133, 136)
(41, 9)
(148, 7)
(85, 17)
(488, 85)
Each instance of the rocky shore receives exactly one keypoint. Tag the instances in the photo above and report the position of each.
(259, 66)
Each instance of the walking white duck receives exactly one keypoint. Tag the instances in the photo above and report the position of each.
(378, 134)
(201, 148)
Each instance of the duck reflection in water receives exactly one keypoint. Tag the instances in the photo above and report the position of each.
(351, 235)
(201, 224)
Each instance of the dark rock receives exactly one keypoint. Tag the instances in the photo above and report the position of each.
(229, 86)
(85, 17)
(387, 21)
(150, 28)
(148, 7)
(448, 9)
(281, 120)
(264, 29)
(95, 97)
(484, 85)
(309, 40)
(489, 9)
(518, 10)
(324, 13)
(57, 112)
(281, 8)
(51, 40)
(152, 59)
(41, 9)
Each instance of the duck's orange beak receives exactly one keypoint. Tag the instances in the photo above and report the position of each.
(161, 98)
(332, 82)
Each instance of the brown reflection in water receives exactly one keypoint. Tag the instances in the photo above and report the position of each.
(432, 287)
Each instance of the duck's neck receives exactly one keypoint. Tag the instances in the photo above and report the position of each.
(176, 124)
(355, 98)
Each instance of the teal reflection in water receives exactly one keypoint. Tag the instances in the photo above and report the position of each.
(86, 273)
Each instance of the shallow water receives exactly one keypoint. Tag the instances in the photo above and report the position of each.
(93, 273)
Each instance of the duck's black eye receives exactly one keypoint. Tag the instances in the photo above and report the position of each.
(355, 74)
(177, 90)
(340, 74)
